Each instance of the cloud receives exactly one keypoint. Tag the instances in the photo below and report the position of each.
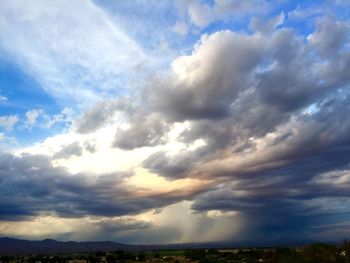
(93, 59)
(31, 117)
(330, 36)
(197, 89)
(143, 131)
(290, 186)
(272, 115)
(169, 166)
(267, 27)
(180, 28)
(90, 146)
(98, 116)
(226, 8)
(199, 15)
(66, 116)
(3, 98)
(177, 223)
(39, 118)
(51, 190)
(304, 12)
(255, 89)
(69, 150)
(86, 228)
(8, 122)
(75, 149)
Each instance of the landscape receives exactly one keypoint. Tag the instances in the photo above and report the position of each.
(174, 131)
(52, 251)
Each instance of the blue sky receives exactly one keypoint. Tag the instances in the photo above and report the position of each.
(122, 119)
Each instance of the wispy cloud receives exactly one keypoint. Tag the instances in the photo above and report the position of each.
(72, 49)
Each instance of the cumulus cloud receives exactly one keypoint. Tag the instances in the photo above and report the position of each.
(8, 122)
(98, 116)
(90, 146)
(66, 116)
(255, 88)
(69, 150)
(198, 89)
(272, 115)
(143, 131)
(200, 15)
(169, 166)
(330, 36)
(31, 117)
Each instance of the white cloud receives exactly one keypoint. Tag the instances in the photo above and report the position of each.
(8, 121)
(104, 159)
(200, 15)
(71, 48)
(224, 8)
(338, 178)
(31, 117)
(180, 28)
(3, 98)
(66, 116)
(40, 118)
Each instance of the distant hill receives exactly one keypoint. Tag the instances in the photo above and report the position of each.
(12, 246)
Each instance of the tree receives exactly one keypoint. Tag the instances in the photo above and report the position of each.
(320, 253)
(141, 256)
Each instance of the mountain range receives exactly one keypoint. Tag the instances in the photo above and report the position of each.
(13, 246)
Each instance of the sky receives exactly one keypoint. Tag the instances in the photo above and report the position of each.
(154, 122)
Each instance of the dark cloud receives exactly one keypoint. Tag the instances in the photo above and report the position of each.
(201, 90)
(143, 131)
(281, 203)
(272, 111)
(110, 229)
(100, 115)
(173, 167)
(31, 186)
(90, 146)
(296, 197)
(69, 150)
(330, 36)
(110, 226)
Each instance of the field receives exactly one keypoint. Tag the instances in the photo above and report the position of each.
(314, 253)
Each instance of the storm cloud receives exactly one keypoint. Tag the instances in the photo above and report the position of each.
(272, 112)
(31, 186)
